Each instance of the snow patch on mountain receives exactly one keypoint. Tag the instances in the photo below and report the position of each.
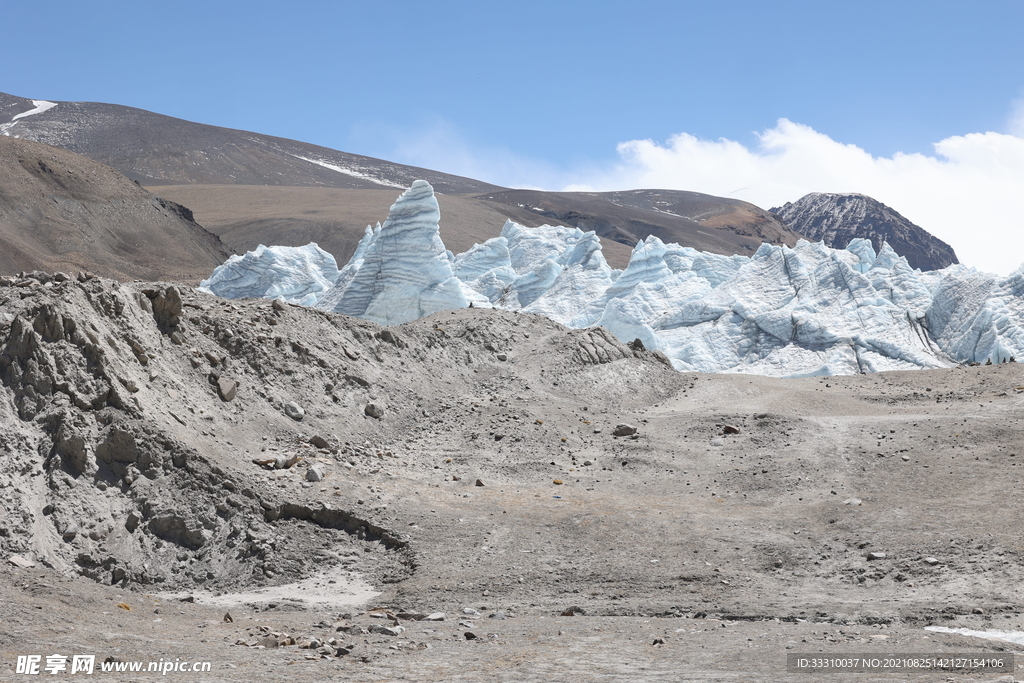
(349, 171)
(802, 311)
(40, 107)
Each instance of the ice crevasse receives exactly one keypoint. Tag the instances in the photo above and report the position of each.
(802, 311)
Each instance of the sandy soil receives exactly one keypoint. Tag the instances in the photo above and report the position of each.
(736, 526)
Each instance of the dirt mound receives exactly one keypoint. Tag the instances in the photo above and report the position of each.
(147, 422)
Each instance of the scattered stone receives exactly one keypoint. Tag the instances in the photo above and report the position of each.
(20, 562)
(293, 410)
(319, 442)
(730, 429)
(658, 641)
(316, 472)
(228, 619)
(212, 357)
(905, 458)
(411, 616)
(278, 304)
(931, 561)
(479, 483)
(573, 611)
(977, 610)
(852, 501)
(876, 556)
(502, 356)
(227, 389)
(557, 482)
(470, 611)
(469, 635)
(374, 411)
(434, 616)
(388, 630)
(267, 641)
(496, 615)
(624, 430)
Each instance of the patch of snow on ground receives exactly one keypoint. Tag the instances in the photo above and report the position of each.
(334, 588)
(1008, 636)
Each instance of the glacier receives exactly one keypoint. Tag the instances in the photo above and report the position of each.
(401, 270)
(299, 275)
(809, 310)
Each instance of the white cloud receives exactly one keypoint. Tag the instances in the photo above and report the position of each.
(970, 193)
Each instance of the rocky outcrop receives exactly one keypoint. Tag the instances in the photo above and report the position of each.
(836, 219)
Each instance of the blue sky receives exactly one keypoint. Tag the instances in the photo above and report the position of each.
(557, 94)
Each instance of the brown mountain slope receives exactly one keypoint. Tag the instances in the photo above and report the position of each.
(161, 151)
(705, 222)
(157, 149)
(244, 216)
(62, 211)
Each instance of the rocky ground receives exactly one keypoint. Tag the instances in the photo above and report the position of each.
(167, 457)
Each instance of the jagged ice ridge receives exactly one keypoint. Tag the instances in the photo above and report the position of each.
(786, 312)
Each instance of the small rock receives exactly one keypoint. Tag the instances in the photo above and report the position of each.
(624, 430)
(267, 642)
(730, 429)
(315, 472)
(228, 619)
(293, 410)
(573, 611)
(931, 561)
(319, 441)
(470, 611)
(374, 411)
(496, 615)
(469, 635)
(388, 630)
(479, 483)
(21, 562)
(466, 624)
(977, 610)
(658, 641)
(876, 556)
(718, 441)
(278, 304)
(905, 458)
(227, 389)
(502, 356)
(434, 616)
(212, 357)
(852, 501)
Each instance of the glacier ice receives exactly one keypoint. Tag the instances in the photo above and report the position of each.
(802, 311)
(297, 274)
(401, 270)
